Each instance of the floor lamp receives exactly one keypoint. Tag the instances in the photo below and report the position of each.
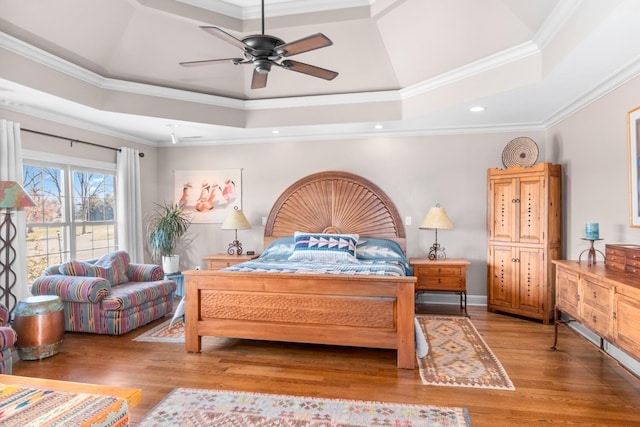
(12, 196)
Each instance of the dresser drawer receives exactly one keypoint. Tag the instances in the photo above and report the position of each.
(614, 252)
(438, 271)
(596, 296)
(597, 320)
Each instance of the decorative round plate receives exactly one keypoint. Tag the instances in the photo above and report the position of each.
(520, 151)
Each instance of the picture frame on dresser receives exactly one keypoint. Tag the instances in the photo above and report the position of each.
(633, 121)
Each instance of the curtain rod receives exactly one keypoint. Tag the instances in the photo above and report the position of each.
(72, 140)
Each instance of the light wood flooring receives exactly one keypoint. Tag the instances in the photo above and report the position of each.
(575, 385)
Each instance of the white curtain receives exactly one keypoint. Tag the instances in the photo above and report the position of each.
(130, 232)
(11, 170)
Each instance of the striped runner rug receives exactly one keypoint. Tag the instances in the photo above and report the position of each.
(458, 356)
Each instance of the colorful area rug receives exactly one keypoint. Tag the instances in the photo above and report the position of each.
(207, 408)
(24, 406)
(458, 356)
(165, 332)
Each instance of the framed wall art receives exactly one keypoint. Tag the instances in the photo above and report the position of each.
(633, 120)
(209, 194)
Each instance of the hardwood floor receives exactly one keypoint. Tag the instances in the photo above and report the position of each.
(575, 385)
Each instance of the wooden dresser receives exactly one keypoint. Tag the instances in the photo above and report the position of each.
(604, 299)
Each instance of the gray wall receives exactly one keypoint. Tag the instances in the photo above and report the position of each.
(593, 149)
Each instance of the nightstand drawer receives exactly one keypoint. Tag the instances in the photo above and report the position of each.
(220, 261)
(447, 283)
(218, 265)
(438, 271)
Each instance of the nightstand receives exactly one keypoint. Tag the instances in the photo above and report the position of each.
(220, 261)
(447, 275)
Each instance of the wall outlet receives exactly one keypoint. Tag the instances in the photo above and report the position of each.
(407, 220)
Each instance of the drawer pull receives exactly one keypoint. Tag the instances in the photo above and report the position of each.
(595, 295)
(594, 318)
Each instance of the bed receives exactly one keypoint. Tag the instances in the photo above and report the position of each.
(370, 309)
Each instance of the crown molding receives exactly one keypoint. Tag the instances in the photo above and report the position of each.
(243, 10)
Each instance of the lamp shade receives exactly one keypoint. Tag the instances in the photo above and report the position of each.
(12, 195)
(235, 221)
(437, 218)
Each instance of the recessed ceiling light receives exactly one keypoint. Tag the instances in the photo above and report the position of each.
(378, 126)
(477, 109)
(275, 131)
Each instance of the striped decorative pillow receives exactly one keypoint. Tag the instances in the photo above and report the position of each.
(118, 262)
(80, 268)
(324, 247)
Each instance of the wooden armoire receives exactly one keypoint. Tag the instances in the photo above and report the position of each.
(524, 224)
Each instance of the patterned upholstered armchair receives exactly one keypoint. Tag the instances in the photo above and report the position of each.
(110, 295)
(8, 338)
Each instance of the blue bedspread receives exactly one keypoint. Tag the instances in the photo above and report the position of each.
(375, 257)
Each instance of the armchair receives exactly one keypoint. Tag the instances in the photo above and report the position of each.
(8, 339)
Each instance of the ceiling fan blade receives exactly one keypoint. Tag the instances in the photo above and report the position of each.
(311, 70)
(306, 44)
(215, 31)
(210, 61)
(259, 80)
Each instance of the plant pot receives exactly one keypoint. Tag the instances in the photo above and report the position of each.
(171, 264)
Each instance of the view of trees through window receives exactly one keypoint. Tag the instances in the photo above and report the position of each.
(61, 227)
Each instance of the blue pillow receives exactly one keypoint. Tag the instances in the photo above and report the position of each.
(324, 247)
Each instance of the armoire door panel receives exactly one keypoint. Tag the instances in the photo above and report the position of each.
(501, 276)
(531, 200)
(503, 209)
(530, 279)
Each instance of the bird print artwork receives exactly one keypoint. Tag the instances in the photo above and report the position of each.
(210, 200)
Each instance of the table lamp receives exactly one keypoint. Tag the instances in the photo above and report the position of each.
(12, 196)
(435, 219)
(235, 221)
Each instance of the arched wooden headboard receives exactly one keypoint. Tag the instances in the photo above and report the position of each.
(335, 202)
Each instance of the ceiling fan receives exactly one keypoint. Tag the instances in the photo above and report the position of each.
(264, 51)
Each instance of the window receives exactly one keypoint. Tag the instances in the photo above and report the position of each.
(74, 216)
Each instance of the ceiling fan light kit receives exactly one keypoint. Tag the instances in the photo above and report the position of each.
(264, 51)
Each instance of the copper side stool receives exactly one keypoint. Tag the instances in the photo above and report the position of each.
(39, 323)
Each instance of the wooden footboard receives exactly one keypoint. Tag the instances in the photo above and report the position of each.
(359, 311)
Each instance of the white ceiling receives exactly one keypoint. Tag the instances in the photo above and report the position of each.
(411, 66)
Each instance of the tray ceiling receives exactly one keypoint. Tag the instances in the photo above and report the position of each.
(405, 66)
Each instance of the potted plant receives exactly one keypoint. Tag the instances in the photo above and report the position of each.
(166, 226)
